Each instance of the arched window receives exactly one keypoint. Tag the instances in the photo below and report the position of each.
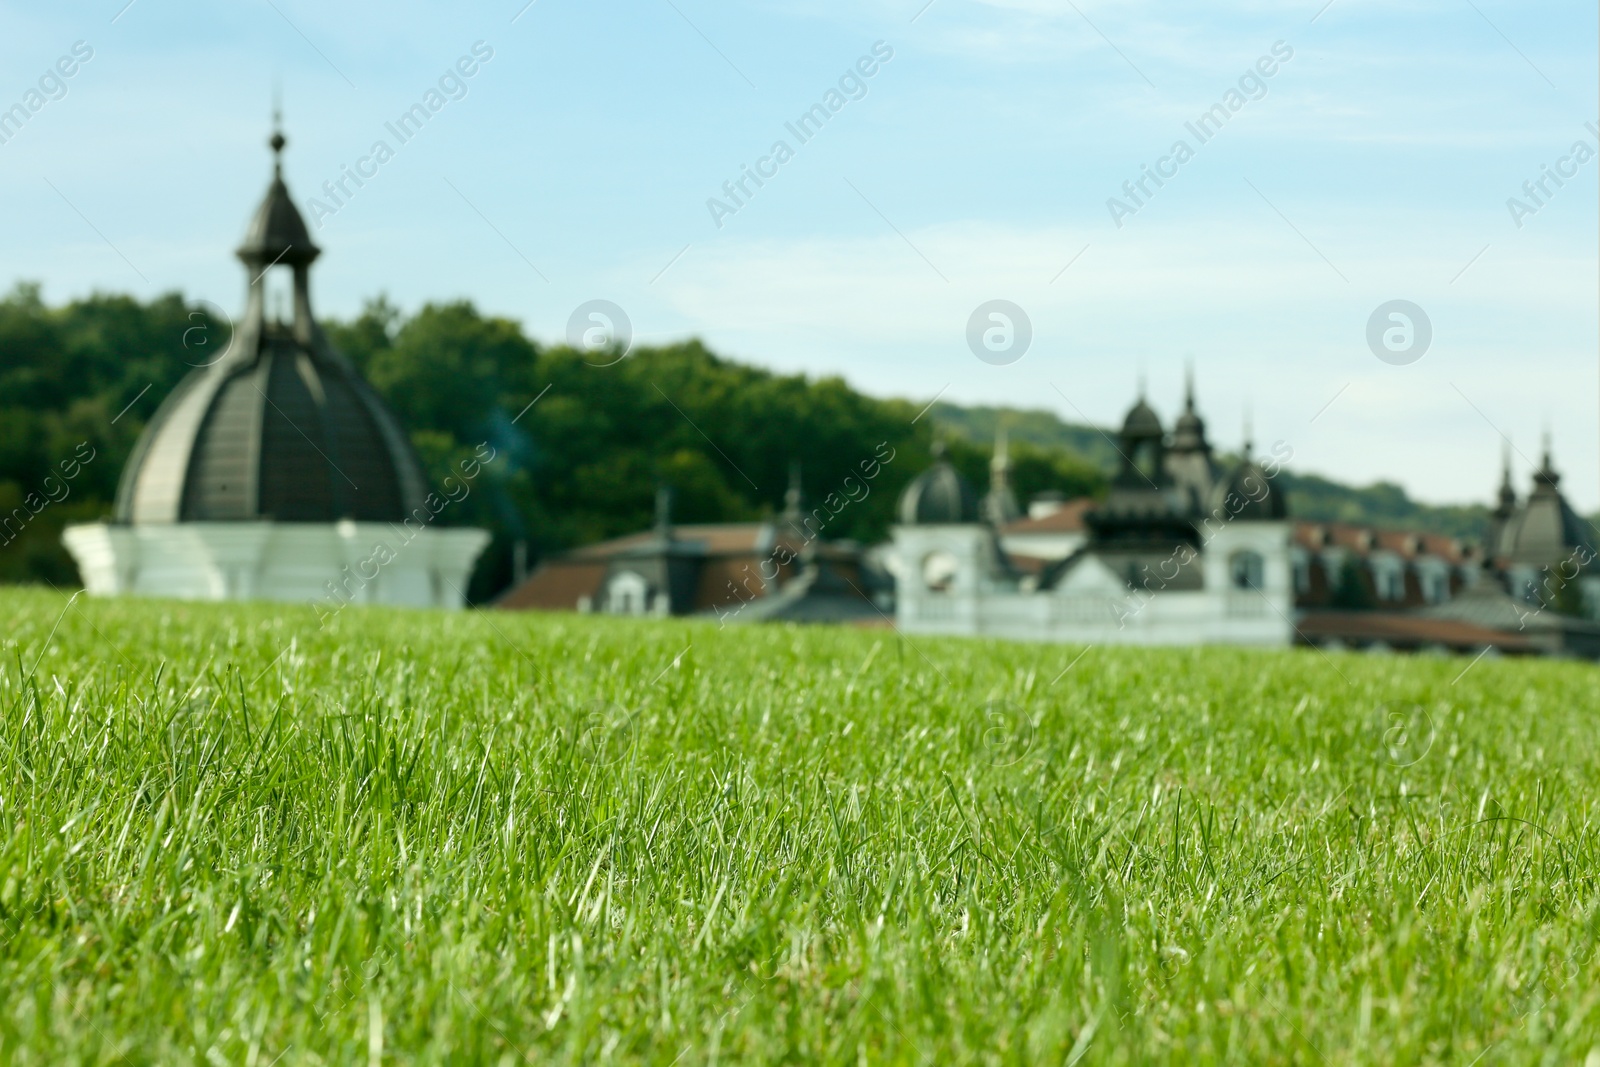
(626, 594)
(1246, 570)
(939, 571)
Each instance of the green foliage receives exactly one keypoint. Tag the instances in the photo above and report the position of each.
(580, 464)
(66, 374)
(1382, 504)
(1033, 469)
(1042, 429)
(227, 836)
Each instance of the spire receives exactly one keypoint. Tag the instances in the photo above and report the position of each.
(1508, 494)
(1188, 385)
(664, 512)
(1546, 474)
(1000, 505)
(277, 234)
(277, 140)
(794, 498)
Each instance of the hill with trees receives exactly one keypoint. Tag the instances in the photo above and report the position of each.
(582, 439)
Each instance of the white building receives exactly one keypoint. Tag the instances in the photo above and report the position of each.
(276, 472)
(1179, 553)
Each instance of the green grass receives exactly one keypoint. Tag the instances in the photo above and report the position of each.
(228, 837)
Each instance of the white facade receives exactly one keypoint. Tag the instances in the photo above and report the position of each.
(950, 580)
(1046, 545)
(324, 564)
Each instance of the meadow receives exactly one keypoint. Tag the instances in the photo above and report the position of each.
(230, 837)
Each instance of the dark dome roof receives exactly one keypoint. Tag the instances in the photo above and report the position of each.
(1189, 432)
(1261, 500)
(1545, 528)
(280, 427)
(938, 495)
(1142, 421)
(277, 233)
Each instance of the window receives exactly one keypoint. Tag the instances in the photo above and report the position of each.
(1391, 584)
(1246, 570)
(626, 594)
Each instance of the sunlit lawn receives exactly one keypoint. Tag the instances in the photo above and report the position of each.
(229, 837)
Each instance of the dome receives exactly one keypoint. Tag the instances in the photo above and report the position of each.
(1142, 421)
(1189, 432)
(280, 427)
(1255, 498)
(1545, 528)
(938, 495)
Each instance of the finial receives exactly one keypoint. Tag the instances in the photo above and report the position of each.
(277, 140)
(1248, 445)
(1188, 383)
(1141, 381)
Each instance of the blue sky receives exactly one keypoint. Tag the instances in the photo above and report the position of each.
(1376, 165)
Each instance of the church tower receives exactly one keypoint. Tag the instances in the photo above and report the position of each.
(276, 471)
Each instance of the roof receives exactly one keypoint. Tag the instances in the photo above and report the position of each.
(1361, 539)
(1067, 519)
(938, 495)
(277, 233)
(1545, 528)
(1487, 604)
(1142, 421)
(280, 427)
(710, 539)
(555, 586)
(1028, 564)
(1405, 630)
(1249, 483)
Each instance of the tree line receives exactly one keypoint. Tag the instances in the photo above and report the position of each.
(582, 440)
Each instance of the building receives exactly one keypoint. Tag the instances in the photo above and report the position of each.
(775, 570)
(1180, 552)
(1538, 578)
(276, 472)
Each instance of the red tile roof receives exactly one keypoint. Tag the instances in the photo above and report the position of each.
(1405, 630)
(555, 586)
(1362, 539)
(1068, 519)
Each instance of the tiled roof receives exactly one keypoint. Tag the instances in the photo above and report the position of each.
(555, 586)
(1396, 628)
(1069, 519)
(1362, 539)
(711, 538)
